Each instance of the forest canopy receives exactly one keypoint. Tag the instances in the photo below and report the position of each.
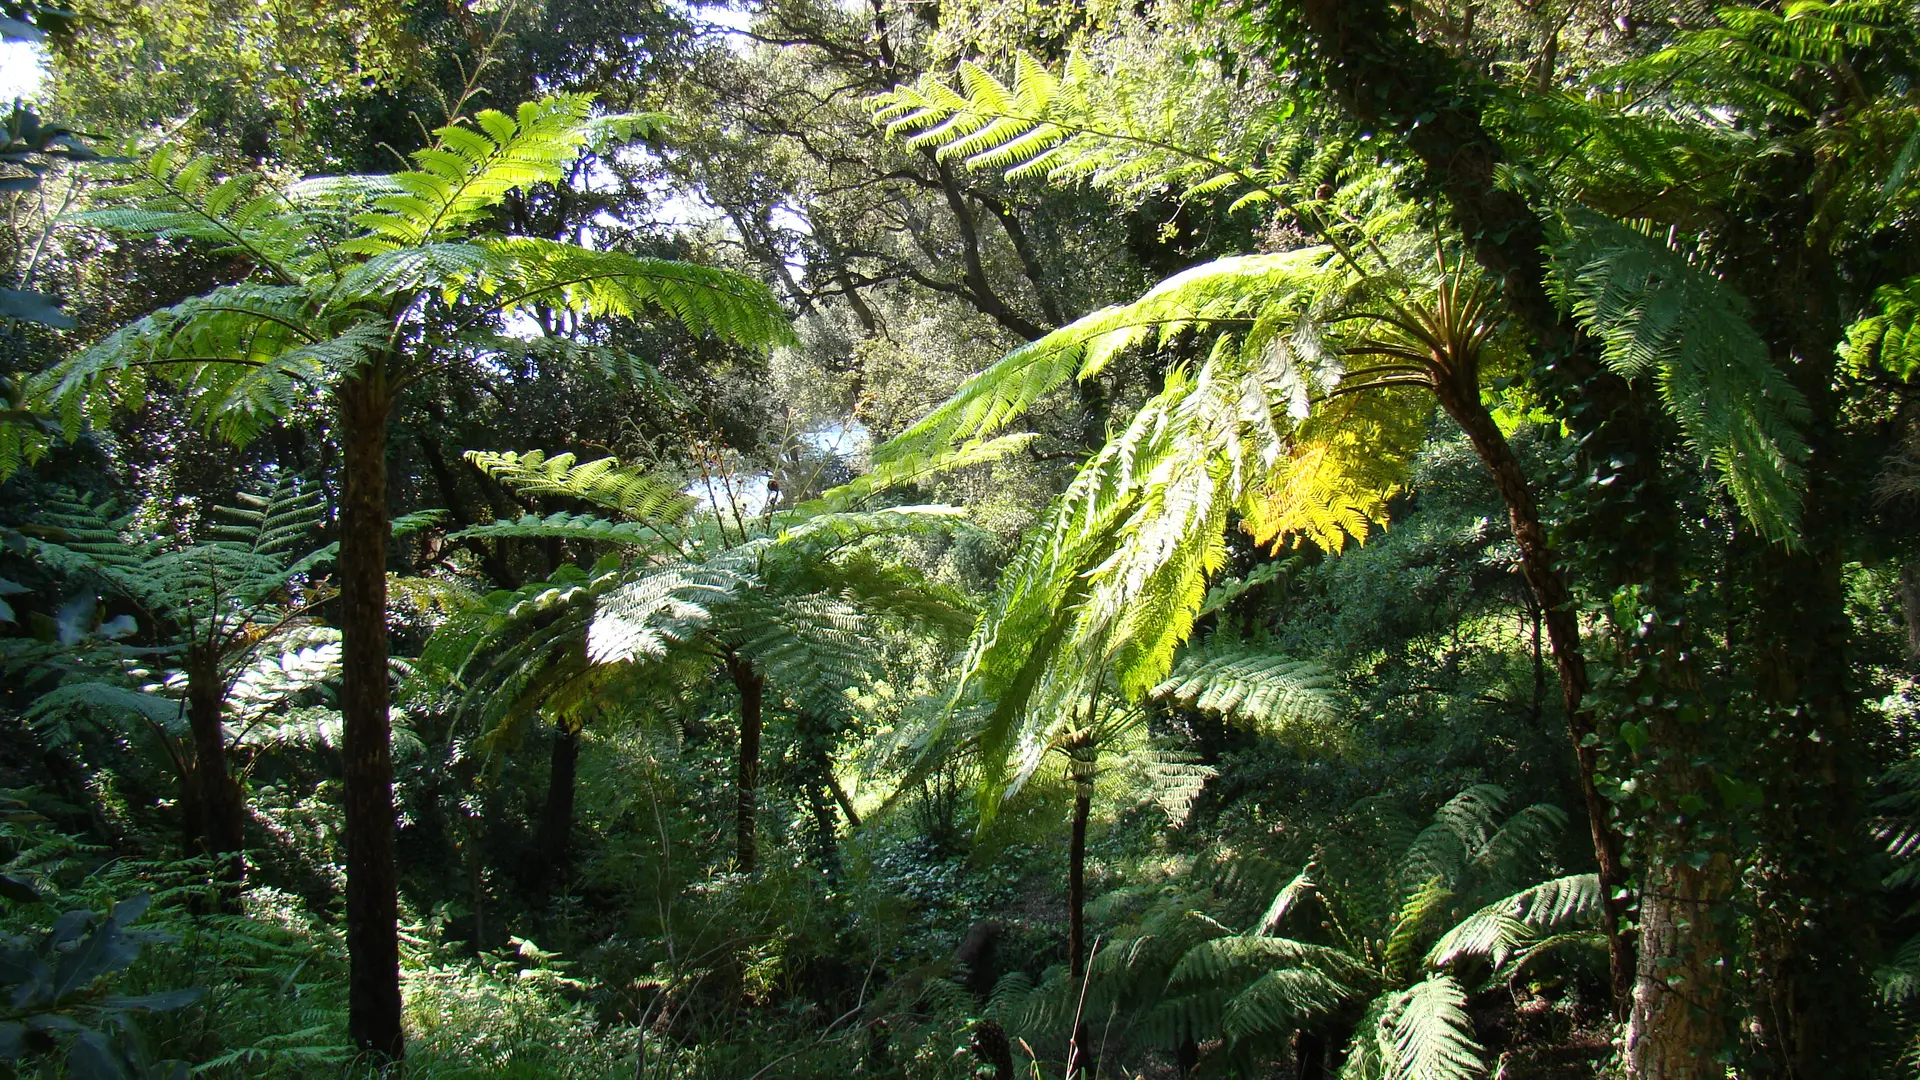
(818, 538)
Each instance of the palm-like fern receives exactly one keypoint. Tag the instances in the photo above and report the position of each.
(229, 618)
(1411, 960)
(359, 287)
(1274, 424)
(788, 601)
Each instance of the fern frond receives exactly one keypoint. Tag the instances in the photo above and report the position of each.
(98, 700)
(820, 536)
(634, 494)
(580, 528)
(1886, 341)
(1514, 923)
(177, 195)
(1461, 827)
(1104, 121)
(1660, 317)
(1433, 1034)
(1267, 692)
(469, 170)
(1222, 957)
(274, 678)
(1226, 295)
(525, 271)
(1280, 1002)
(659, 608)
(244, 354)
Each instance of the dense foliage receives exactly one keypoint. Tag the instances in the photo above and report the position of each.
(1262, 538)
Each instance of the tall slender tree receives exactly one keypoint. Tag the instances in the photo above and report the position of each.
(355, 289)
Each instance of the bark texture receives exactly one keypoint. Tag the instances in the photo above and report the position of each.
(556, 817)
(219, 807)
(373, 942)
(752, 688)
(1679, 991)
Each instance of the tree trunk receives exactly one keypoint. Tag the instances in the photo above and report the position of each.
(1370, 55)
(1077, 1051)
(994, 1051)
(373, 942)
(752, 690)
(556, 818)
(221, 809)
(1675, 1027)
(826, 827)
(1555, 605)
(840, 796)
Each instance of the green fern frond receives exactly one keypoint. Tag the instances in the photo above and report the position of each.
(634, 494)
(1515, 923)
(527, 271)
(1104, 121)
(469, 170)
(1433, 1034)
(244, 354)
(1886, 340)
(1267, 692)
(580, 528)
(274, 678)
(1283, 1001)
(1174, 779)
(1660, 317)
(1421, 914)
(1461, 827)
(821, 536)
(657, 609)
(1899, 978)
(1223, 957)
(176, 195)
(52, 711)
(1226, 295)
(280, 523)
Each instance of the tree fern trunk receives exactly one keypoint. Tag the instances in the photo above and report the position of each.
(373, 943)
(1370, 55)
(221, 811)
(826, 827)
(1555, 604)
(752, 689)
(556, 817)
(1077, 1064)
